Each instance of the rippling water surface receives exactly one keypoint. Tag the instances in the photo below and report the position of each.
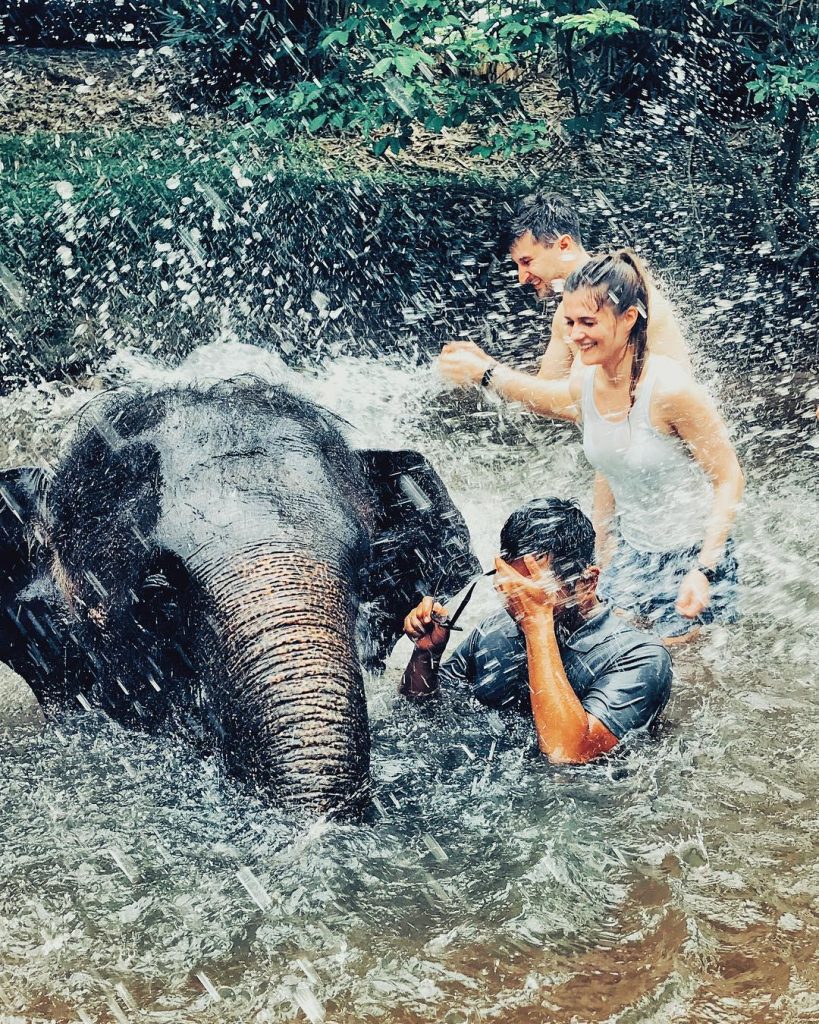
(675, 883)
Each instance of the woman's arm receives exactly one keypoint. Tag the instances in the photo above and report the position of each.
(463, 363)
(602, 516)
(694, 417)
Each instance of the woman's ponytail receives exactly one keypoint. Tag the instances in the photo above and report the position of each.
(639, 332)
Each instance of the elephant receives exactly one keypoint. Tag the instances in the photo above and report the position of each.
(218, 559)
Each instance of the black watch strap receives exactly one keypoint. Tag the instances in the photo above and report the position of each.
(709, 573)
(487, 375)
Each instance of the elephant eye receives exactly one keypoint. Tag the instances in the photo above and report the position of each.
(156, 581)
(157, 597)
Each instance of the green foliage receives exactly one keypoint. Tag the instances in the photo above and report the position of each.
(383, 69)
(599, 23)
(782, 84)
(237, 41)
(780, 42)
(390, 67)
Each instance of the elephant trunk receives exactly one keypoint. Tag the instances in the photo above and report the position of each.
(293, 708)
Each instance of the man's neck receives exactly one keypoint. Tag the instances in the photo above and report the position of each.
(574, 260)
(571, 619)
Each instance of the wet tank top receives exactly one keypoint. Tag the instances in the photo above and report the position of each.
(661, 496)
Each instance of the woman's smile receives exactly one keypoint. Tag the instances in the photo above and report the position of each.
(594, 331)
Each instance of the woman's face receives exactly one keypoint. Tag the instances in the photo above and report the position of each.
(600, 336)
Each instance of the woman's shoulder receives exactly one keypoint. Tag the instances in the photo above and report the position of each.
(675, 391)
(669, 374)
(672, 382)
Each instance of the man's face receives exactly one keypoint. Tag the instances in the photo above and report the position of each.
(564, 594)
(539, 264)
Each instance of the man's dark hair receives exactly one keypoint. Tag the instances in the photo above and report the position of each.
(550, 526)
(547, 215)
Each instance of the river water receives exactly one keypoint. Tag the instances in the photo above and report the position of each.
(677, 882)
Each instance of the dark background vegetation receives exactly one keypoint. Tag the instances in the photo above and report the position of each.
(688, 129)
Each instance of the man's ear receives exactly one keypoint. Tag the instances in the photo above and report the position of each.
(420, 544)
(565, 242)
(589, 579)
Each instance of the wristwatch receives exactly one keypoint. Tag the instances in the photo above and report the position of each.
(487, 375)
(709, 573)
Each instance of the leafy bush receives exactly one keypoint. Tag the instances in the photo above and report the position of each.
(390, 66)
(259, 41)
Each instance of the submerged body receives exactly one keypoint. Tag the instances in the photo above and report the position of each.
(220, 559)
(619, 674)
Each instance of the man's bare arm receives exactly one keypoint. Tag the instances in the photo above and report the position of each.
(420, 678)
(566, 732)
(556, 363)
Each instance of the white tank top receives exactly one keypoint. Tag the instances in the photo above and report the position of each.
(661, 496)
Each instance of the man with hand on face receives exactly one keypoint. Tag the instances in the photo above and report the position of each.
(546, 246)
(587, 675)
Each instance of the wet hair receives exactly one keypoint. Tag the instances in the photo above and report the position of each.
(619, 280)
(550, 526)
(548, 215)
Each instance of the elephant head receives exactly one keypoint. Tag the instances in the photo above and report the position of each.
(221, 558)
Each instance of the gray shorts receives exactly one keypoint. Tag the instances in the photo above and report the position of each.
(646, 584)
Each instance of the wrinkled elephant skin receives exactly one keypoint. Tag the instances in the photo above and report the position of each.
(220, 560)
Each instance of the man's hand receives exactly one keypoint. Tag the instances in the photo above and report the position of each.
(527, 598)
(423, 629)
(695, 594)
(420, 678)
(463, 362)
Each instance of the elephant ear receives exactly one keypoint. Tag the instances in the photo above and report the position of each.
(37, 629)
(19, 489)
(31, 638)
(19, 549)
(420, 545)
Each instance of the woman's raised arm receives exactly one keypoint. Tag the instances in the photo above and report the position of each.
(463, 363)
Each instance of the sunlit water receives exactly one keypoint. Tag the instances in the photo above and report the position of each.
(676, 883)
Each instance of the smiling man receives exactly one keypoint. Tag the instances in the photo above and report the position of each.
(546, 247)
(588, 677)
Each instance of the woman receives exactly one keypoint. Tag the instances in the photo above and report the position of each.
(670, 481)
